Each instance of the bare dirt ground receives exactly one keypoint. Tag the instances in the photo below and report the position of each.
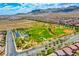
(22, 23)
(69, 31)
(5, 25)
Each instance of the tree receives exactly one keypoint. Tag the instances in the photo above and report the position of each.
(43, 52)
(49, 51)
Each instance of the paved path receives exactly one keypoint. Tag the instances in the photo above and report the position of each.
(32, 52)
(10, 48)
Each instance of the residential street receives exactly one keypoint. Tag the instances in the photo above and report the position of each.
(10, 48)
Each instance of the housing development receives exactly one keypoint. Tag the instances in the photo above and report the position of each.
(41, 32)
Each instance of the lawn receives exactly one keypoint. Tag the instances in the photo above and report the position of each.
(59, 31)
(39, 34)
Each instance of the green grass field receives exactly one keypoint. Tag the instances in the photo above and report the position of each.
(39, 34)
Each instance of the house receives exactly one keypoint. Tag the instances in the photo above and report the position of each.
(73, 47)
(68, 51)
(77, 44)
(60, 53)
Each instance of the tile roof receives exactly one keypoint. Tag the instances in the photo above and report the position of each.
(77, 44)
(73, 47)
(68, 51)
(60, 53)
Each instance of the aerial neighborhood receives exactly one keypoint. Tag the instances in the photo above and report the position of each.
(41, 31)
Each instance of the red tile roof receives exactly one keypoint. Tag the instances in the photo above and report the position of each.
(68, 51)
(60, 53)
(73, 47)
(77, 44)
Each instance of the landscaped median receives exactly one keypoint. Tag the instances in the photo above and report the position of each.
(39, 33)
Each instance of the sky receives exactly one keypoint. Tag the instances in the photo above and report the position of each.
(15, 8)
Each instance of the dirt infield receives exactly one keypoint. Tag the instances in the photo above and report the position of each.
(69, 31)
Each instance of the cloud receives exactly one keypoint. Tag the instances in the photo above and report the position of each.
(14, 8)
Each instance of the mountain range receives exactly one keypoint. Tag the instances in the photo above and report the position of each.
(57, 10)
(38, 12)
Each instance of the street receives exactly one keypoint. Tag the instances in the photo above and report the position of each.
(10, 48)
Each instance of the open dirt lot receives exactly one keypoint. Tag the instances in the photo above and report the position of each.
(5, 25)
